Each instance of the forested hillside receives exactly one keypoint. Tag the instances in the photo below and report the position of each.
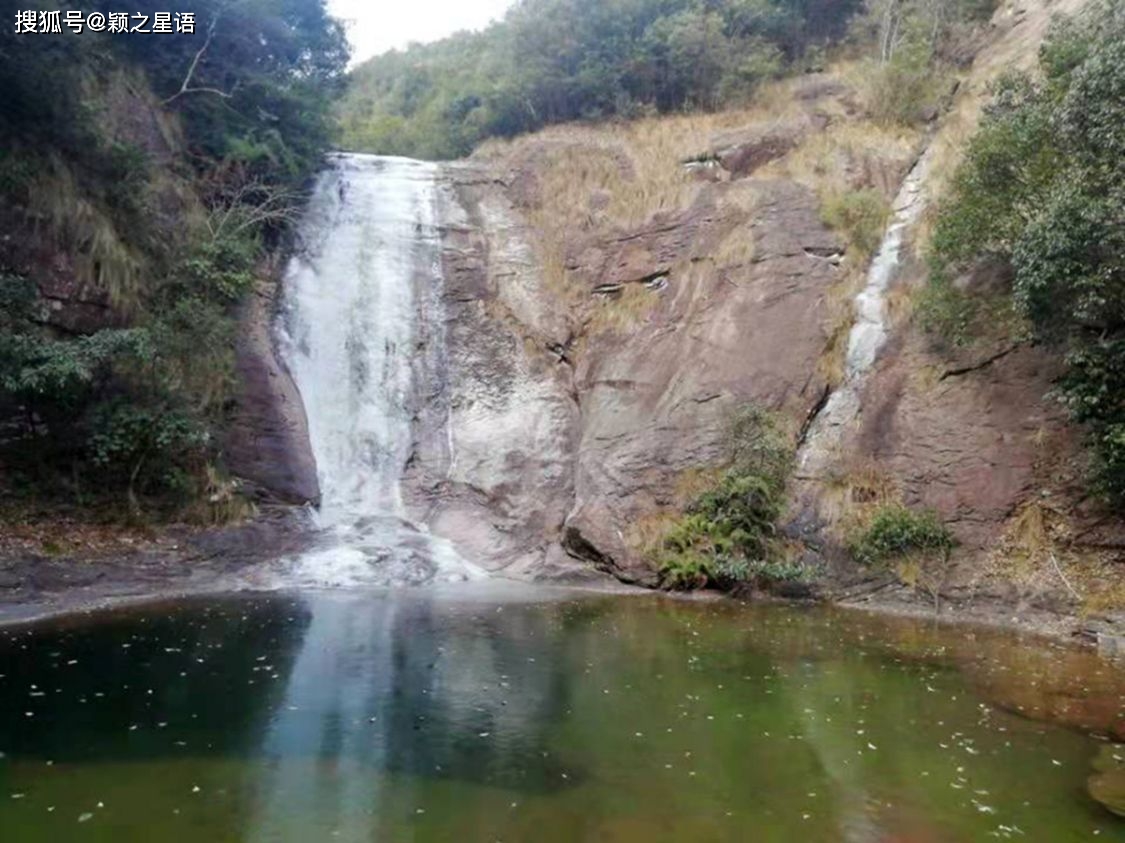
(551, 61)
(144, 181)
(1031, 240)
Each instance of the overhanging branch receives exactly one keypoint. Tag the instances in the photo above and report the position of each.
(185, 86)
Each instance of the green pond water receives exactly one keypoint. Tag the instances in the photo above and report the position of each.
(512, 715)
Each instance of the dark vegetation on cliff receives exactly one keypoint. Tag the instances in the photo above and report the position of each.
(1034, 227)
(728, 535)
(144, 182)
(553, 61)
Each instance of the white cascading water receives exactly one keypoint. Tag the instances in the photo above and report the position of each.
(868, 334)
(369, 244)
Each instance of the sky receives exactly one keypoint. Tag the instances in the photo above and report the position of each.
(375, 26)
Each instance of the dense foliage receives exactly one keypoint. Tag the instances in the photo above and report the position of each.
(1042, 191)
(549, 61)
(728, 534)
(895, 532)
(152, 173)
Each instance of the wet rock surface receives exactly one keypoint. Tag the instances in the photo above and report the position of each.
(180, 560)
(266, 442)
(495, 433)
(559, 453)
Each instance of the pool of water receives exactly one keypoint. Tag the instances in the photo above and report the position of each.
(485, 714)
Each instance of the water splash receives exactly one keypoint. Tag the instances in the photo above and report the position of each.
(370, 245)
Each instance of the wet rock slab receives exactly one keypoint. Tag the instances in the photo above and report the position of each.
(181, 560)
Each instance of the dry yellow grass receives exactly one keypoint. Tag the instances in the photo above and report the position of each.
(860, 149)
(1035, 556)
(635, 165)
(839, 308)
(737, 248)
(899, 303)
(101, 256)
(646, 533)
(855, 493)
(693, 482)
(620, 175)
(621, 311)
(551, 248)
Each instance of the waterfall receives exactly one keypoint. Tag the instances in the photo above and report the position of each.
(370, 253)
(868, 334)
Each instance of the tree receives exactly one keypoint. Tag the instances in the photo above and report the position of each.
(551, 61)
(1043, 188)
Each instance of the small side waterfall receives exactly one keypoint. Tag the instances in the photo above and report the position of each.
(868, 334)
(370, 251)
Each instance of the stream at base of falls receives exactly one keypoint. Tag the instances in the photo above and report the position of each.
(483, 712)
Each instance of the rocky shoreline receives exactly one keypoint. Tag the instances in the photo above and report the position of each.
(184, 562)
(127, 567)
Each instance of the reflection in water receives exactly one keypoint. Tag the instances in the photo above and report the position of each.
(515, 716)
(404, 689)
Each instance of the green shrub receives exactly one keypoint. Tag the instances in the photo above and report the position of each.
(144, 446)
(38, 370)
(1093, 389)
(222, 268)
(959, 317)
(896, 532)
(728, 534)
(1042, 188)
(685, 569)
(947, 312)
(776, 571)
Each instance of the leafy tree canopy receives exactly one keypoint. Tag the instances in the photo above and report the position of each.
(159, 169)
(550, 61)
(1043, 189)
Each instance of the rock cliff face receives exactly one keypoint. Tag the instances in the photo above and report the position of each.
(569, 428)
(266, 442)
(973, 434)
(576, 372)
(498, 425)
(578, 414)
(654, 400)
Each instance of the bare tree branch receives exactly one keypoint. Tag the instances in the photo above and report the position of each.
(185, 86)
(253, 204)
